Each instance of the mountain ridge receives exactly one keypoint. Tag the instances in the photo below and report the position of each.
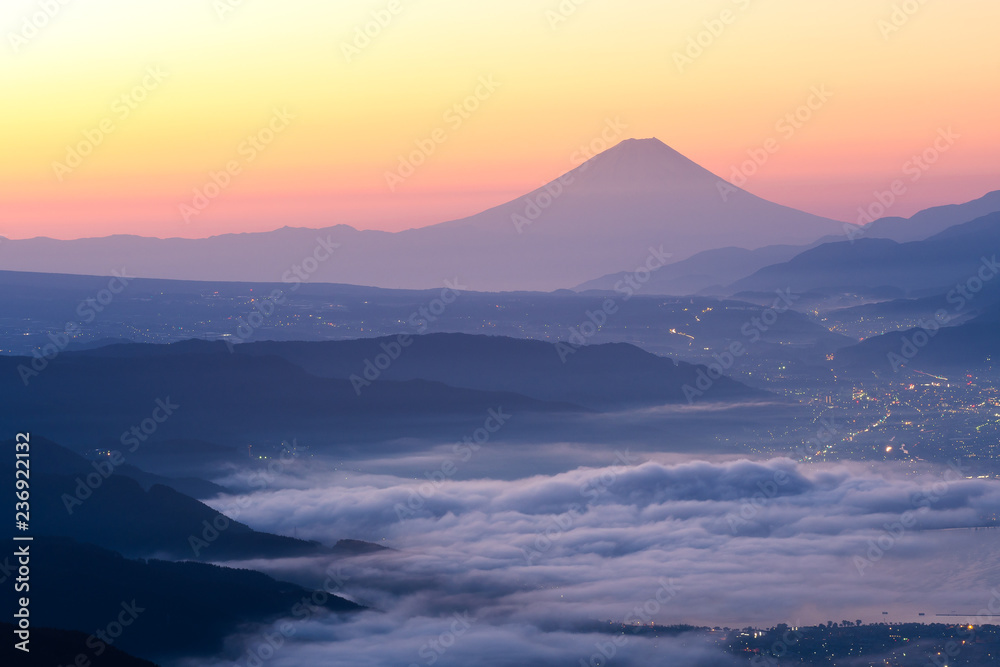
(593, 220)
(955, 254)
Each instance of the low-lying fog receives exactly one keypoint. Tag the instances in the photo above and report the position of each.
(507, 555)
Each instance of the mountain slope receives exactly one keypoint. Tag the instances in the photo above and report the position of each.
(81, 399)
(972, 345)
(930, 266)
(172, 609)
(50, 646)
(722, 266)
(597, 219)
(608, 376)
(98, 502)
(600, 376)
(932, 221)
(708, 269)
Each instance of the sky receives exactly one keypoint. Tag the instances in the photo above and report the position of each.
(200, 117)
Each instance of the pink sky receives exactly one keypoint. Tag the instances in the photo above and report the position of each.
(501, 95)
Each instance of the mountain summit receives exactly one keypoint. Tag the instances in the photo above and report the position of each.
(602, 217)
(639, 165)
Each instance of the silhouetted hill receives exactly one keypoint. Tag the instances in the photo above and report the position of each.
(888, 315)
(606, 376)
(57, 460)
(50, 646)
(99, 503)
(969, 346)
(348, 548)
(121, 515)
(189, 486)
(709, 271)
(929, 266)
(181, 456)
(80, 398)
(174, 609)
(931, 221)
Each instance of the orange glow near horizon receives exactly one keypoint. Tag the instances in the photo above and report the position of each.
(313, 120)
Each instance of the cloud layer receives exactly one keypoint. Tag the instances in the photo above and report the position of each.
(536, 560)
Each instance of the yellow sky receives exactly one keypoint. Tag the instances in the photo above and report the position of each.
(205, 82)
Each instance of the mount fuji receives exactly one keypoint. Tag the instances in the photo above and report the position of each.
(635, 200)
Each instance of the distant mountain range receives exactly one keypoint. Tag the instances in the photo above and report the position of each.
(970, 346)
(337, 391)
(931, 221)
(222, 396)
(637, 204)
(707, 272)
(600, 377)
(162, 311)
(710, 272)
(905, 313)
(917, 268)
(612, 213)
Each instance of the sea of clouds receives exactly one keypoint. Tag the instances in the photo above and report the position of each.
(515, 571)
